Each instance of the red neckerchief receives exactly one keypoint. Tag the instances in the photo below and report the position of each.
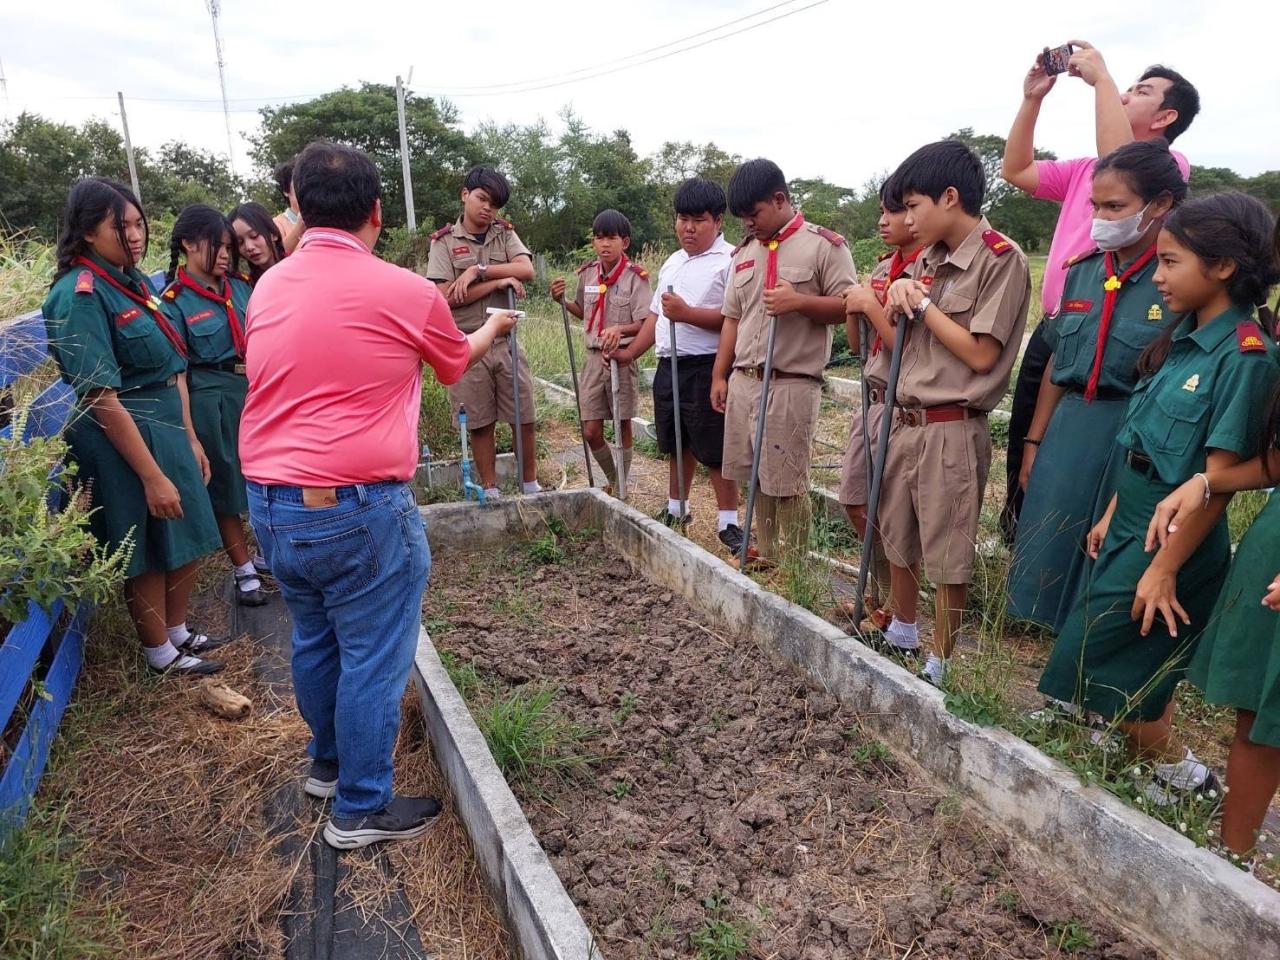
(605, 284)
(771, 264)
(1111, 290)
(233, 321)
(897, 267)
(148, 303)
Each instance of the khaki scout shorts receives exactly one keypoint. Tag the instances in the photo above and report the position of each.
(789, 422)
(595, 393)
(933, 483)
(485, 390)
(854, 479)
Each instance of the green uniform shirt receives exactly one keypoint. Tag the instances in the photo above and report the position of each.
(1072, 332)
(101, 337)
(202, 317)
(1211, 393)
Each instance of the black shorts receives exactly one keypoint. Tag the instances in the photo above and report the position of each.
(701, 427)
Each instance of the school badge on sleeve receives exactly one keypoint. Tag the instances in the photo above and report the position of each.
(84, 281)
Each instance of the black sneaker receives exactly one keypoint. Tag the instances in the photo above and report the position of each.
(257, 597)
(198, 643)
(402, 819)
(322, 781)
(731, 537)
(185, 665)
(667, 518)
(1163, 793)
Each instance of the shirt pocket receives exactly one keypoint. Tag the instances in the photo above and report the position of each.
(1184, 415)
(140, 343)
(957, 306)
(208, 335)
(1124, 345)
(619, 309)
(802, 278)
(1070, 337)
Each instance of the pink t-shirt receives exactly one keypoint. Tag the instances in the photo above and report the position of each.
(336, 341)
(1071, 182)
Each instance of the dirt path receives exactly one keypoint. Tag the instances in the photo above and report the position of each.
(731, 812)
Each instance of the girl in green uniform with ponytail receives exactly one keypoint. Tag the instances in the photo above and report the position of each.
(1238, 661)
(1205, 381)
(1110, 312)
(130, 434)
(209, 306)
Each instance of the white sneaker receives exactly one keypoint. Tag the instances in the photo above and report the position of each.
(935, 668)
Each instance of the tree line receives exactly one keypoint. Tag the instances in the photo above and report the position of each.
(559, 180)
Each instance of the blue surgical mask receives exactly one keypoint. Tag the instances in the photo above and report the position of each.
(1118, 234)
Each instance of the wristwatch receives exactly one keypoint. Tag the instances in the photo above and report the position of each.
(481, 270)
(921, 307)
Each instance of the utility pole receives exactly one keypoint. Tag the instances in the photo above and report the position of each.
(128, 148)
(215, 7)
(404, 156)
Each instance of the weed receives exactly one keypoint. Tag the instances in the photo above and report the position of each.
(873, 752)
(1009, 901)
(626, 707)
(620, 789)
(526, 735)
(464, 675)
(646, 446)
(720, 937)
(1071, 936)
(545, 550)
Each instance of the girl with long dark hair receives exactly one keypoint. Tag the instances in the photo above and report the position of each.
(131, 435)
(257, 240)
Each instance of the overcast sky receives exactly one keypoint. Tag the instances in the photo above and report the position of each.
(837, 90)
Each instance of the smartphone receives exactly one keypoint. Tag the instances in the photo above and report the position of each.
(1055, 59)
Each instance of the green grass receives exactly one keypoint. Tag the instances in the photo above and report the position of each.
(43, 914)
(528, 736)
(720, 937)
(1071, 936)
(1242, 511)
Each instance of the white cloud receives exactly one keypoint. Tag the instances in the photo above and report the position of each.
(844, 90)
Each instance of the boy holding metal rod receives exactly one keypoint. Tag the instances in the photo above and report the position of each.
(474, 261)
(613, 298)
(783, 298)
(966, 302)
(690, 293)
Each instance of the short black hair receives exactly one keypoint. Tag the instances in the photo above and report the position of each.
(283, 174)
(1148, 168)
(491, 182)
(697, 196)
(945, 163)
(337, 186)
(610, 223)
(755, 182)
(891, 194)
(1180, 96)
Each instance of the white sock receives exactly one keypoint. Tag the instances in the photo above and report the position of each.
(904, 636)
(161, 656)
(531, 486)
(178, 635)
(673, 507)
(725, 519)
(247, 570)
(1186, 774)
(493, 493)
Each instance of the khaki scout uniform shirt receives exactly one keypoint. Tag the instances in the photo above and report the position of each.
(816, 262)
(626, 301)
(453, 250)
(983, 285)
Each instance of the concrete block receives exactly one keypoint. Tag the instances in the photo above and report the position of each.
(1183, 900)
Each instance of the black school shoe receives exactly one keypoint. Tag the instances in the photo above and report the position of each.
(199, 643)
(322, 780)
(731, 537)
(257, 597)
(196, 668)
(402, 819)
(666, 517)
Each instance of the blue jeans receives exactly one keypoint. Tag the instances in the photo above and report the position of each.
(353, 576)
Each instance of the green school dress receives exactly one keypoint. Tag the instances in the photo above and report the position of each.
(105, 329)
(213, 324)
(1076, 468)
(1211, 393)
(1238, 661)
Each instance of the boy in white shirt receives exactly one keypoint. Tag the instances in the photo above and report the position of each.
(697, 272)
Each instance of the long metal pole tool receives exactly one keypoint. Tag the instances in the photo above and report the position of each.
(759, 441)
(577, 397)
(517, 427)
(877, 475)
(619, 460)
(864, 353)
(675, 400)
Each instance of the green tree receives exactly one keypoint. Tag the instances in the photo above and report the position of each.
(183, 175)
(1030, 222)
(440, 152)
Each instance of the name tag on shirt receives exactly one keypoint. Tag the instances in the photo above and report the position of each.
(594, 288)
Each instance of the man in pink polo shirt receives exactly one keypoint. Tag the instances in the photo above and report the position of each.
(328, 440)
(1161, 103)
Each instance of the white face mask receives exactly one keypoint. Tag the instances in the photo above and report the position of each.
(1118, 234)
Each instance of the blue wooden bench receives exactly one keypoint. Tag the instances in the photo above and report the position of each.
(43, 653)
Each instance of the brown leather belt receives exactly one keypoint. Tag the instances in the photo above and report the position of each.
(876, 394)
(757, 373)
(942, 413)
